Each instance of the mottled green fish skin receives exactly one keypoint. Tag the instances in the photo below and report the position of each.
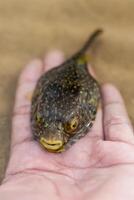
(62, 93)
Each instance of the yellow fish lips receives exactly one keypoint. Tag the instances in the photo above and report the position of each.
(52, 145)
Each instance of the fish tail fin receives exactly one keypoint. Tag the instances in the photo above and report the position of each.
(88, 43)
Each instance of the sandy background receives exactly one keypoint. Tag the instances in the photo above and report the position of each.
(29, 28)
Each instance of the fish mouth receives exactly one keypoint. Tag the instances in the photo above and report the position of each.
(52, 145)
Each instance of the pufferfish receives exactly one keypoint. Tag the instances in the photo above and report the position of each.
(65, 102)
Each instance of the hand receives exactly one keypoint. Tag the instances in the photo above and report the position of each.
(99, 166)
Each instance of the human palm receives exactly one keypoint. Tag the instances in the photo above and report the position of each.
(98, 166)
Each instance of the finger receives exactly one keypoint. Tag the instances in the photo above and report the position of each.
(117, 125)
(21, 115)
(92, 71)
(97, 128)
(53, 59)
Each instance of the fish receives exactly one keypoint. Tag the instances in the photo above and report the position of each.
(65, 102)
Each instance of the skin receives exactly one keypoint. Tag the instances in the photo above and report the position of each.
(91, 169)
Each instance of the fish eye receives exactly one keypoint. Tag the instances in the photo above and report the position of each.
(72, 125)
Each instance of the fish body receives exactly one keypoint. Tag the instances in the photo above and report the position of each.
(65, 102)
